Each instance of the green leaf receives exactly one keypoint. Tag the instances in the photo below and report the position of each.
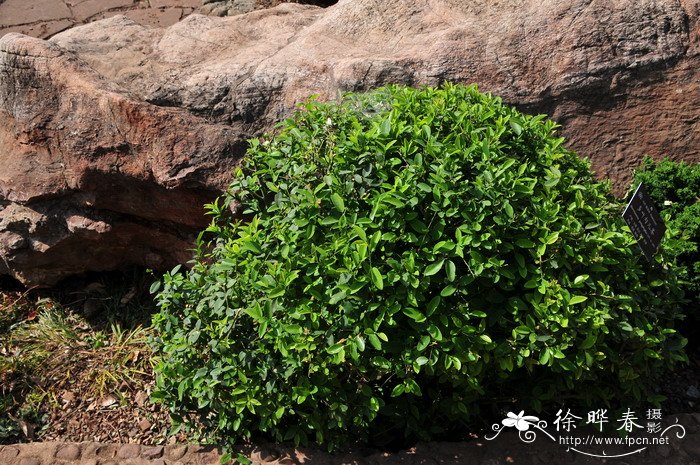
(423, 343)
(155, 287)
(327, 221)
(374, 240)
(435, 332)
(413, 314)
(508, 209)
(194, 335)
(517, 129)
(374, 341)
(525, 243)
(398, 390)
(334, 349)
(448, 291)
(433, 268)
(251, 246)
(552, 238)
(567, 365)
(338, 202)
(337, 297)
(360, 232)
(577, 299)
(588, 342)
(377, 279)
(433, 305)
(451, 270)
(385, 127)
(276, 292)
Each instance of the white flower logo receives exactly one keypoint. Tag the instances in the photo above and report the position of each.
(522, 423)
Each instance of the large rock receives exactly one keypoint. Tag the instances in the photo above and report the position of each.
(114, 134)
(92, 178)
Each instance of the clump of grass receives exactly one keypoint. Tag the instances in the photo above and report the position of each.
(48, 348)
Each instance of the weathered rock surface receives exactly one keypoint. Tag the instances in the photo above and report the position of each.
(44, 18)
(92, 178)
(237, 7)
(114, 134)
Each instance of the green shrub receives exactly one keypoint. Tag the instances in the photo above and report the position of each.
(404, 255)
(675, 189)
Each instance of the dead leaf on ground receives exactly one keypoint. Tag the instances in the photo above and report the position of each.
(141, 398)
(145, 425)
(108, 401)
(68, 398)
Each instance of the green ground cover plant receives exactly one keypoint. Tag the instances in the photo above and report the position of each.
(398, 258)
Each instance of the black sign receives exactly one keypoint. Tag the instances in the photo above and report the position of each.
(644, 222)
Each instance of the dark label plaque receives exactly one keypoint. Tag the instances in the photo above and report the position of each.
(644, 221)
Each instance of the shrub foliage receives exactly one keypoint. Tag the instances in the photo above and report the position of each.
(398, 257)
(675, 189)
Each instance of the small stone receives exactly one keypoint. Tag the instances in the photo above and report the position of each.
(129, 451)
(158, 462)
(145, 425)
(152, 453)
(177, 452)
(693, 392)
(30, 461)
(68, 452)
(8, 453)
(89, 462)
